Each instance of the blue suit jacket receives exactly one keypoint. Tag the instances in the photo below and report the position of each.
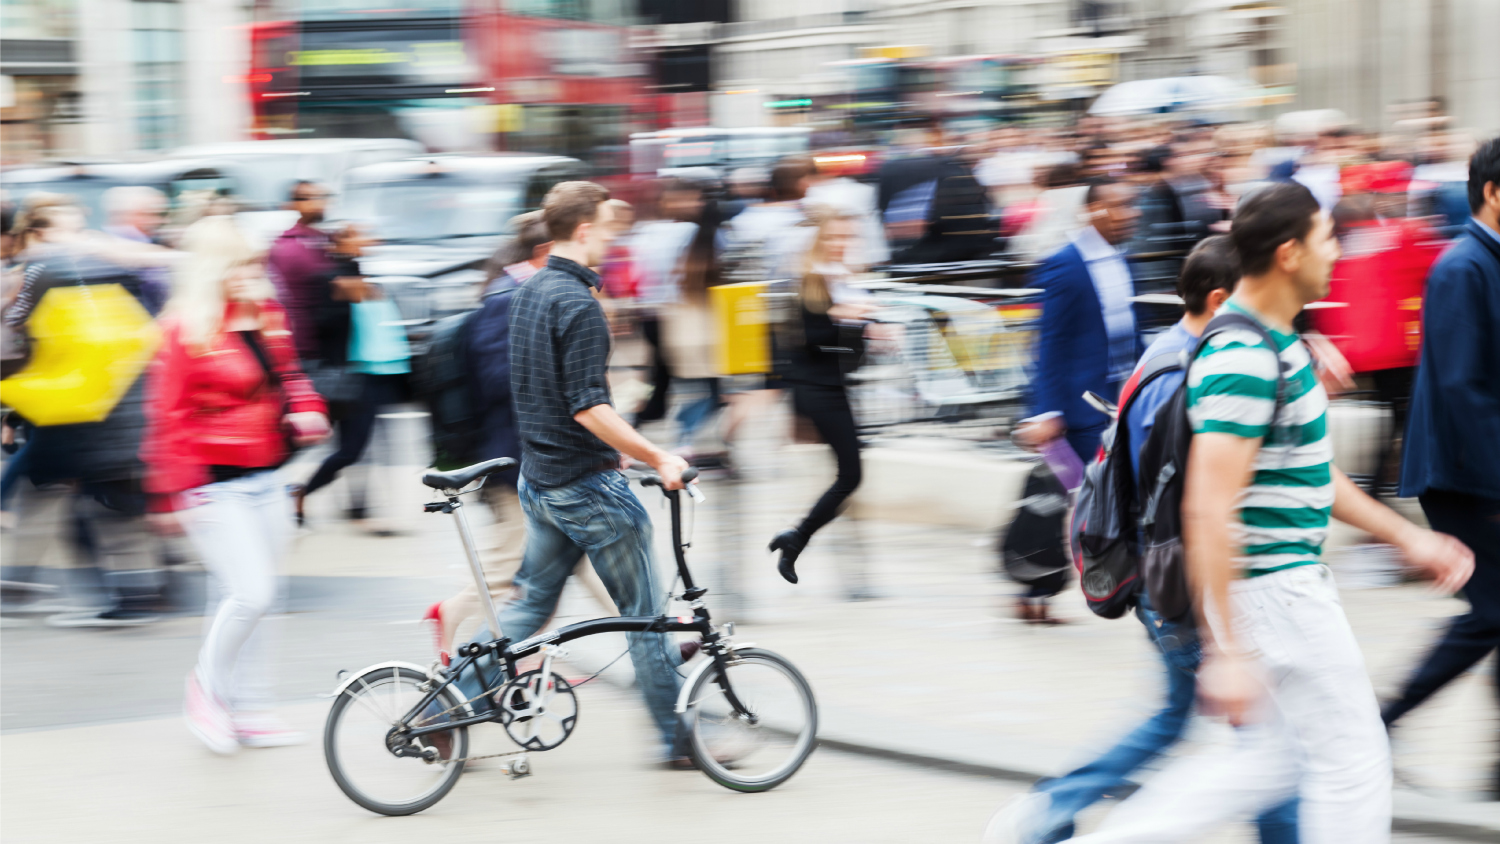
(1453, 430)
(1073, 346)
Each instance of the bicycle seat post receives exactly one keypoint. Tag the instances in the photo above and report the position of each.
(475, 566)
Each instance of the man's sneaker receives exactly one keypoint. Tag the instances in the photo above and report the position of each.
(105, 618)
(1017, 820)
(262, 729)
(208, 718)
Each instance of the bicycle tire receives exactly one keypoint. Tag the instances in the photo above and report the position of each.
(458, 749)
(723, 771)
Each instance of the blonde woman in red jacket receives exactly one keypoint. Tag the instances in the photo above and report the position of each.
(225, 397)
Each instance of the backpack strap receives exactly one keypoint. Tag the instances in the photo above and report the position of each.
(1152, 369)
(1230, 319)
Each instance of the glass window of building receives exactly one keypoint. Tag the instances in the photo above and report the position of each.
(156, 53)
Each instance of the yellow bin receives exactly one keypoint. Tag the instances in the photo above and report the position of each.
(740, 316)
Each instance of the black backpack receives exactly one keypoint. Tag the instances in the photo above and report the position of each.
(1106, 545)
(440, 380)
(1163, 470)
(1031, 551)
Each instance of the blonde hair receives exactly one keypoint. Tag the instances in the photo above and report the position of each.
(215, 247)
(813, 290)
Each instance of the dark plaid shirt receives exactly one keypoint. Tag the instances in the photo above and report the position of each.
(559, 346)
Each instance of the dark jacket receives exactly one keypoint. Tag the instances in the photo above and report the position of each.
(959, 225)
(810, 339)
(333, 319)
(1452, 439)
(91, 452)
(487, 355)
(1073, 344)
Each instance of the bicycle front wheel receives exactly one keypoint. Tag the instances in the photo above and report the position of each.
(751, 727)
(360, 745)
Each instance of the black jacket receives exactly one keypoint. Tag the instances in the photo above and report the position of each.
(92, 452)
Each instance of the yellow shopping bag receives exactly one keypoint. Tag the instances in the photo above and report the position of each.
(88, 345)
(741, 318)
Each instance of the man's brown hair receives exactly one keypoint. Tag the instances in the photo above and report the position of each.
(1267, 218)
(570, 204)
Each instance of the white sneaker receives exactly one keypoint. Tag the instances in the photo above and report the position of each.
(262, 729)
(1015, 822)
(208, 718)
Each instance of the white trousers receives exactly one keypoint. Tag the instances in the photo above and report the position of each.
(1317, 734)
(241, 529)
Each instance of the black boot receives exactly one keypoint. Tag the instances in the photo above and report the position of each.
(790, 543)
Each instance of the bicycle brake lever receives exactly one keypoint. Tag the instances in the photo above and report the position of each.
(695, 492)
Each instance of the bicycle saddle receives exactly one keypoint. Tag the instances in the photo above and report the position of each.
(460, 478)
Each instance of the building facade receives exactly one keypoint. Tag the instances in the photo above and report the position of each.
(99, 78)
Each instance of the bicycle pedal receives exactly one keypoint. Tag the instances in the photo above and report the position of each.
(516, 769)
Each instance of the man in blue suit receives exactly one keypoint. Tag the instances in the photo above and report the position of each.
(1087, 339)
(1452, 460)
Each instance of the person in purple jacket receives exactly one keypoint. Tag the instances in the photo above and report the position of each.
(299, 264)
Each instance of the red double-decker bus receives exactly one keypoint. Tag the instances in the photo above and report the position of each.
(548, 76)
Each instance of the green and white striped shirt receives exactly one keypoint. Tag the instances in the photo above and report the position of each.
(1232, 390)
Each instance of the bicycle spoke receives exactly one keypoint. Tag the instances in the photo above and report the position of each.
(369, 704)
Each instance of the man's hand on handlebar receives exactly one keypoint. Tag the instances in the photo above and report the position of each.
(669, 467)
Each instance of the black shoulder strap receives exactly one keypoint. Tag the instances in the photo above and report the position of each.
(1153, 368)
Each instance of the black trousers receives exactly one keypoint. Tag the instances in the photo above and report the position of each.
(1475, 634)
(661, 376)
(356, 425)
(828, 410)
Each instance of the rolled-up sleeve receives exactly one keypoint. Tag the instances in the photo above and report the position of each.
(583, 346)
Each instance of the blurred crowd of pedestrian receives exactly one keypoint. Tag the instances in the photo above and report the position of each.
(242, 358)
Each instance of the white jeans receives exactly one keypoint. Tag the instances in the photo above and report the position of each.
(240, 529)
(1318, 733)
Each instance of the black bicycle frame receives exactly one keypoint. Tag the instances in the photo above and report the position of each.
(510, 653)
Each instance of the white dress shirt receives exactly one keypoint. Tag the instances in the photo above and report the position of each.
(1112, 282)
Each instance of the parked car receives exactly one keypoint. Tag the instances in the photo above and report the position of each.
(438, 218)
(264, 171)
(87, 181)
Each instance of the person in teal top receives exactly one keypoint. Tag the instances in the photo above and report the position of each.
(377, 354)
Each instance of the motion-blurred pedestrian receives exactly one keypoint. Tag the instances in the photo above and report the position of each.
(299, 264)
(85, 476)
(135, 214)
(823, 338)
(226, 395)
(658, 247)
(1452, 460)
(360, 330)
(1087, 338)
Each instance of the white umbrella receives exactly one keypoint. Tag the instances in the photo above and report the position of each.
(1170, 94)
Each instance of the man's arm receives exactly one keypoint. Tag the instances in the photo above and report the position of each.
(1219, 469)
(1058, 330)
(1446, 560)
(604, 422)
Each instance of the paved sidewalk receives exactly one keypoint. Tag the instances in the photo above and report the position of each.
(932, 668)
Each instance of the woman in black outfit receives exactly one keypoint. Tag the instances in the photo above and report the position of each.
(823, 338)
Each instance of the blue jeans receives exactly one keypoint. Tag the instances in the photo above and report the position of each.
(598, 515)
(1075, 791)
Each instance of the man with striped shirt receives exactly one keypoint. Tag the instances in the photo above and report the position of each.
(1280, 660)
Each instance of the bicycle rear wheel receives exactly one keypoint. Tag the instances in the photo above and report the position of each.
(357, 742)
(763, 746)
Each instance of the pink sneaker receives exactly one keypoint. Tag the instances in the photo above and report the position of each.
(207, 717)
(262, 729)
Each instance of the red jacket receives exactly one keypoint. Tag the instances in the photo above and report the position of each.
(216, 407)
(1381, 277)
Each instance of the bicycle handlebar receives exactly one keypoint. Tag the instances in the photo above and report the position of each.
(689, 475)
